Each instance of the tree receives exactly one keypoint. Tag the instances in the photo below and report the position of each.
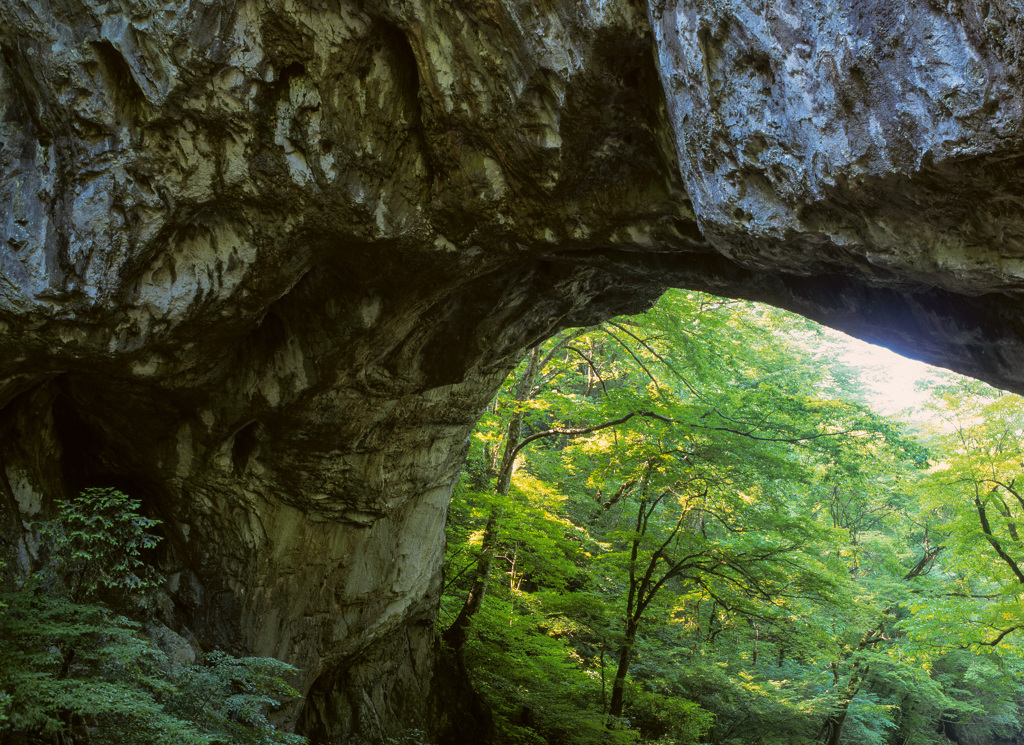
(709, 537)
(617, 406)
(976, 487)
(525, 389)
(95, 546)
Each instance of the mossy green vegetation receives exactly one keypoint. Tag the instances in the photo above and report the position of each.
(709, 536)
(77, 667)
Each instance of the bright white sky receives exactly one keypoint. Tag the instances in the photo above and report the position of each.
(889, 377)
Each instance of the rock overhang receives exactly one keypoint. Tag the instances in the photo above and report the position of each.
(265, 262)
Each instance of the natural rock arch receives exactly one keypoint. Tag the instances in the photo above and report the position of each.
(264, 261)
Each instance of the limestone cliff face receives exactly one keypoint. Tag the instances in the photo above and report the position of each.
(870, 150)
(262, 262)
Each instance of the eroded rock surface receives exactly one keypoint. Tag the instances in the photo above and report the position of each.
(262, 262)
(871, 150)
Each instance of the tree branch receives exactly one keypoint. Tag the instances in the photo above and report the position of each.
(987, 530)
(572, 431)
(924, 563)
(593, 368)
(1002, 635)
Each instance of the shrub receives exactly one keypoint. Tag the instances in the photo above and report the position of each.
(74, 670)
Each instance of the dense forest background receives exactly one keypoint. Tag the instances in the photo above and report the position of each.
(691, 527)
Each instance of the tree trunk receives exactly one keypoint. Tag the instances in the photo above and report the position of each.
(458, 632)
(634, 601)
(832, 729)
(619, 684)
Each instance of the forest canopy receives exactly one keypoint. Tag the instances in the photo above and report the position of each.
(691, 527)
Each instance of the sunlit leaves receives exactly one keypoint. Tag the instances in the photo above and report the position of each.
(973, 491)
(753, 536)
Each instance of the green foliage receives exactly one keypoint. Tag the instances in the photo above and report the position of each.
(63, 662)
(526, 667)
(707, 500)
(96, 544)
(73, 670)
(228, 697)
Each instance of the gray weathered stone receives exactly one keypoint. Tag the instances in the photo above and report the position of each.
(262, 262)
(869, 150)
